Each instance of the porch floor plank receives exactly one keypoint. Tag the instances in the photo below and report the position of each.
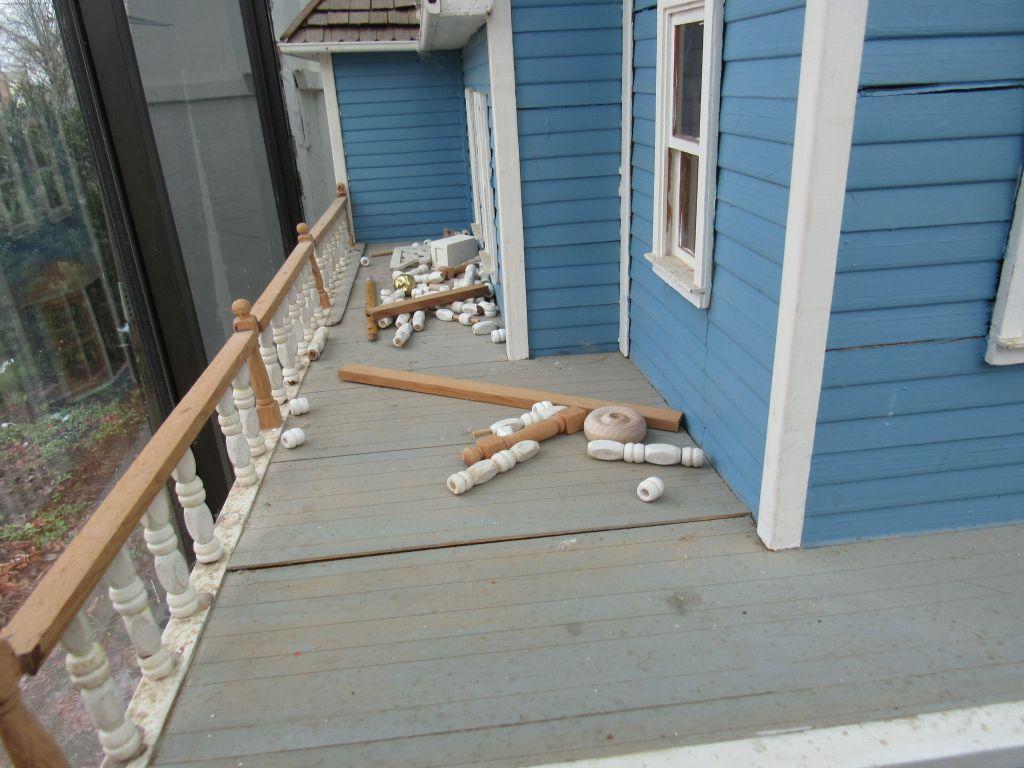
(519, 653)
(371, 476)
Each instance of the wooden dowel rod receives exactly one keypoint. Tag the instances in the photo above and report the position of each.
(371, 302)
(27, 743)
(430, 301)
(498, 394)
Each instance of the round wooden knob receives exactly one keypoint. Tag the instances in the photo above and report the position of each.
(615, 422)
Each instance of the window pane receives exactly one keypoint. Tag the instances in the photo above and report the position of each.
(72, 410)
(689, 57)
(686, 226)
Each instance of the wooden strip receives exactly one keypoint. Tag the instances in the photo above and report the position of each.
(450, 272)
(483, 392)
(324, 222)
(25, 740)
(429, 302)
(42, 619)
(371, 302)
(269, 301)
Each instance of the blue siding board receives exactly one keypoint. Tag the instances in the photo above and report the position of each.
(408, 179)
(568, 92)
(915, 431)
(716, 364)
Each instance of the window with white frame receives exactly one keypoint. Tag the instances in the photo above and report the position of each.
(1006, 336)
(686, 137)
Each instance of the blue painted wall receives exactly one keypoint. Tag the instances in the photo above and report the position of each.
(915, 431)
(716, 364)
(403, 121)
(568, 62)
(476, 74)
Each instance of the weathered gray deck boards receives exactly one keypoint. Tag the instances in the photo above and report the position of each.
(370, 477)
(519, 653)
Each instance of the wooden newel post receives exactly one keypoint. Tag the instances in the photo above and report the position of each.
(318, 278)
(267, 409)
(27, 743)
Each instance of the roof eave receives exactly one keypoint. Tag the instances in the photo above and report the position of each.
(314, 50)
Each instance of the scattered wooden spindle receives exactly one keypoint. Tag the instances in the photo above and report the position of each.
(130, 599)
(87, 664)
(198, 519)
(171, 571)
(269, 354)
(267, 408)
(234, 438)
(27, 743)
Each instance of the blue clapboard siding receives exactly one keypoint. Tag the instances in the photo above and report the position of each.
(403, 122)
(568, 62)
(915, 431)
(716, 364)
(476, 74)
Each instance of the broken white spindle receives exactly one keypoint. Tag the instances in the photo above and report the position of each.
(638, 453)
(130, 599)
(171, 571)
(501, 462)
(245, 402)
(198, 519)
(235, 440)
(87, 664)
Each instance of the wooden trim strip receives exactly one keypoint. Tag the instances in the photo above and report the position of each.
(39, 623)
(498, 394)
(396, 308)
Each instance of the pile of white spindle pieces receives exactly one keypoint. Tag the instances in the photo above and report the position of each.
(479, 314)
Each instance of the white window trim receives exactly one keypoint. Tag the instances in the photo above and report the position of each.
(1006, 337)
(692, 281)
(479, 137)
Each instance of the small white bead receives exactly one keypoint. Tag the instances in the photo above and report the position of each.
(650, 489)
(293, 438)
(298, 406)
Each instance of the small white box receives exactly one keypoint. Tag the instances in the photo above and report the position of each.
(454, 250)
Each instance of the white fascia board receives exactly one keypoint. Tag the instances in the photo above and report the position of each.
(1006, 337)
(315, 50)
(833, 42)
(958, 738)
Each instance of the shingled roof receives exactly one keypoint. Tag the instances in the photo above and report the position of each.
(355, 21)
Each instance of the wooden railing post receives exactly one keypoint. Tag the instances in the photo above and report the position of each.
(171, 571)
(198, 519)
(130, 599)
(27, 743)
(318, 278)
(266, 406)
(90, 672)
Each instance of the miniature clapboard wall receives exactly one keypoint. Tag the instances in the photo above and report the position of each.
(568, 90)
(915, 431)
(403, 123)
(716, 364)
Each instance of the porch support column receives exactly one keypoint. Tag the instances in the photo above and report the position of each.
(505, 127)
(334, 130)
(829, 73)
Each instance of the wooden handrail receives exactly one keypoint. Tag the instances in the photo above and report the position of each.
(39, 623)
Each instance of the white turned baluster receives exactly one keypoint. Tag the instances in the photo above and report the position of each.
(131, 600)
(482, 471)
(295, 313)
(639, 453)
(87, 664)
(237, 444)
(283, 337)
(245, 402)
(313, 293)
(270, 362)
(198, 518)
(312, 299)
(171, 571)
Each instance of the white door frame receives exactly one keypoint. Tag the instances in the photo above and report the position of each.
(504, 114)
(334, 129)
(478, 129)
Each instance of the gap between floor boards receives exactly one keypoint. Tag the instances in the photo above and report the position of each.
(480, 542)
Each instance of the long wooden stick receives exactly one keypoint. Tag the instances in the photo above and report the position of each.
(485, 392)
(429, 301)
(371, 302)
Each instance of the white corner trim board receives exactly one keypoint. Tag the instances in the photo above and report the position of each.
(334, 129)
(505, 125)
(829, 73)
(1006, 337)
(976, 736)
(625, 174)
